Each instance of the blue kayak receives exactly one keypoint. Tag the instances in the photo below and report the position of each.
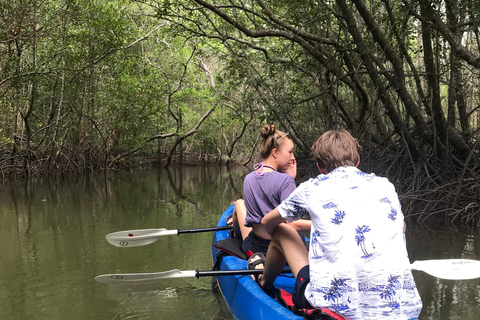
(243, 296)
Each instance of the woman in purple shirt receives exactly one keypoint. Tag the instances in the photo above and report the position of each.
(265, 188)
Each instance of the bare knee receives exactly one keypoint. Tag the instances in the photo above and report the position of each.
(284, 232)
(239, 215)
(239, 202)
(284, 229)
(239, 208)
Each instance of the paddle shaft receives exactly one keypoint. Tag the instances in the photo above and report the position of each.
(218, 273)
(205, 229)
(138, 278)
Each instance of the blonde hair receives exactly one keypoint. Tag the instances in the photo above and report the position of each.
(336, 148)
(272, 139)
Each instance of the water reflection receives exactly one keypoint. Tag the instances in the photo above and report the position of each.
(53, 235)
(53, 245)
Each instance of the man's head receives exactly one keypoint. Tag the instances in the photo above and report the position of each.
(335, 148)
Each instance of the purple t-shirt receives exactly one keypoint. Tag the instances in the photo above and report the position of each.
(263, 193)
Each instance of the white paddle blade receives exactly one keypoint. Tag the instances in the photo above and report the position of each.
(450, 269)
(143, 278)
(136, 238)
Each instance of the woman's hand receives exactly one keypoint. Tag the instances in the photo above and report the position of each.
(291, 170)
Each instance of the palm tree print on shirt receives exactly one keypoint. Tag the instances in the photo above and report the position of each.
(393, 214)
(385, 200)
(329, 205)
(314, 245)
(338, 286)
(389, 291)
(360, 238)
(296, 208)
(300, 212)
(338, 218)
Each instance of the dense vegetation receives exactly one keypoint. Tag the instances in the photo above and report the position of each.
(88, 85)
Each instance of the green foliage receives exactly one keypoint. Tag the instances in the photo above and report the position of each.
(84, 82)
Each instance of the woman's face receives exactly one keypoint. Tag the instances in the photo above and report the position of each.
(284, 154)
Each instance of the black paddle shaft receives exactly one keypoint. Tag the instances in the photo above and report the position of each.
(216, 273)
(205, 229)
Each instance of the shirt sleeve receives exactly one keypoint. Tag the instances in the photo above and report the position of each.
(395, 206)
(294, 207)
(288, 188)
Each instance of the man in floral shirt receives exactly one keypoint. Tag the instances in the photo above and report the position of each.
(358, 264)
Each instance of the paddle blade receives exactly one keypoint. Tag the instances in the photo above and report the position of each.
(136, 238)
(143, 278)
(450, 269)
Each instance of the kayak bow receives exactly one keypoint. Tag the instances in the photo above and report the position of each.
(242, 294)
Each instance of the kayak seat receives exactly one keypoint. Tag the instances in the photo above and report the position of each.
(232, 247)
(285, 299)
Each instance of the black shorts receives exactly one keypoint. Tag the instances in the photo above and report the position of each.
(298, 295)
(255, 244)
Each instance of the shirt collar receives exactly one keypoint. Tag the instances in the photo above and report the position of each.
(344, 169)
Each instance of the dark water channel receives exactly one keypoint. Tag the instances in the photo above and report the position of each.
(52, 237)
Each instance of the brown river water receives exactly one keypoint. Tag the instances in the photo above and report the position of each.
(52, 236)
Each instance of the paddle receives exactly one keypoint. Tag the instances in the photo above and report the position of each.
(142, 237)
(450, 269)
(172, 274)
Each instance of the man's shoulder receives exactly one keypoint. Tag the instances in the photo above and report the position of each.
(344, 177)
(355, 172)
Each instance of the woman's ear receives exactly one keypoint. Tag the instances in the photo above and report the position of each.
(358, 162)
(275, 153)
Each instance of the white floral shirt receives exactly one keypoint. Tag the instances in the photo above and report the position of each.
(359, 266)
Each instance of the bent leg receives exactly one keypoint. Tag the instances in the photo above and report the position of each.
(239, 214)
(286, 246)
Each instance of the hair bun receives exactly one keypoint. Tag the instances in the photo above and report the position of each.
(267, 130)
